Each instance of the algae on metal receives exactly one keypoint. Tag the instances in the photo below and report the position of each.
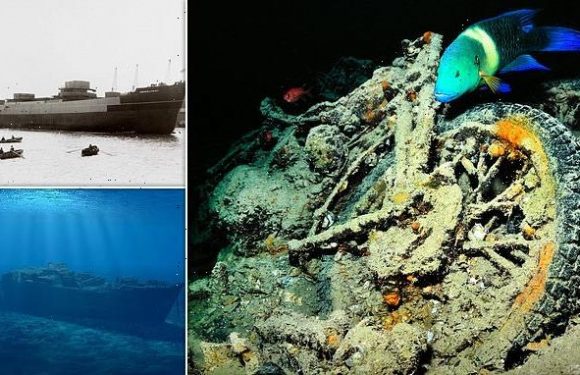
(379, 236)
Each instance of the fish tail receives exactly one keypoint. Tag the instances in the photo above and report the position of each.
(560, 39)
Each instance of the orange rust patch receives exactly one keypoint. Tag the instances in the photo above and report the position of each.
(395, 318)
(427, 36)
(535, 346)
(392, 299)
(374, 115)
(517, 130)
(333, 340)
(536, 286)
(515, 155)
(369, 116)
(513, 130)
(496, 150)
(528, 232)
(415, 226)
(385, 84)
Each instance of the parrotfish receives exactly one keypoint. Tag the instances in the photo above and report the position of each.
(495, 46)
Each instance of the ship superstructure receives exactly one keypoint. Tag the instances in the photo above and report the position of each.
(55, 291)
(151, 109)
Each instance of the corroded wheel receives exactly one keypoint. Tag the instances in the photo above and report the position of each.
(449, 248)
(516, 241)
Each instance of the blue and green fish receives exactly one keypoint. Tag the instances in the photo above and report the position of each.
(494, 46)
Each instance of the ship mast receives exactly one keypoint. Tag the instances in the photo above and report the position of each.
(135, 83)
(168, 73)
(114, 88)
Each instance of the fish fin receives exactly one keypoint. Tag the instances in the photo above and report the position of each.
(561, 39)
(524, 16)
(504, 88)
(523, 63)
(496, 85)
(492, 82)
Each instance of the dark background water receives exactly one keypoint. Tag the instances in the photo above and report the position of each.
(241, 52)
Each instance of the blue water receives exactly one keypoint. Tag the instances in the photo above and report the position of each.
(111, 233)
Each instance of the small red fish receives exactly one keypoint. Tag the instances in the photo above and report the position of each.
(294, 94)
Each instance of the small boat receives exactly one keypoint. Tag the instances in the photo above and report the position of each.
(11, 154)
(11, 140)
(90, 151)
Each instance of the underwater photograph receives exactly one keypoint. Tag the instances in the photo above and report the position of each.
(381, 187)
(92, 281)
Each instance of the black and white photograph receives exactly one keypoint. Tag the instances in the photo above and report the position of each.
(92, 93)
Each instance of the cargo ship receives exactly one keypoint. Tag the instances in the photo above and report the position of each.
(151, 109)
(56, 292)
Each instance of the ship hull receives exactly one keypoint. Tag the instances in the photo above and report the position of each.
(141, 112)
(140, 118)
(125, 305)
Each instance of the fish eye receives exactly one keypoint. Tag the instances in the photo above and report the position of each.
(457, 74)
(477, 60)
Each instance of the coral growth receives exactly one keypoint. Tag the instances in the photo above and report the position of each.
(325, 149)
(379, 236)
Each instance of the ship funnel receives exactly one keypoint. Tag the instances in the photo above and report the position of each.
(77, 90)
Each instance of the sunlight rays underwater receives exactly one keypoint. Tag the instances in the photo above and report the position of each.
(112, 233)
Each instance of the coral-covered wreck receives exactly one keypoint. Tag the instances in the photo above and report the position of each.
(383, 235)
